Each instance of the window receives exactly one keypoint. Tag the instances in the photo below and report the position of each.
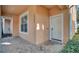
(24, 23)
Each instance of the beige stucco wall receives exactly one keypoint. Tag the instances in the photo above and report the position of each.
(66, 25)
(40, 15)
(31, 24)
(15, 25)
(42, 19)
(55, 11)
(30, 35)
(37, 14)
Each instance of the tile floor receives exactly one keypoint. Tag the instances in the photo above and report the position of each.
(19, 45)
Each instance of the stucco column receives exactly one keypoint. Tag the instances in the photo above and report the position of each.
(73, 22)
(41, 21)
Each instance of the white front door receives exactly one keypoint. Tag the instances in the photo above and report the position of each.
(7, 26)
(56, 27)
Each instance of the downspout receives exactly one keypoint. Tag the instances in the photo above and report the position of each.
(71, 34)
(70, 23)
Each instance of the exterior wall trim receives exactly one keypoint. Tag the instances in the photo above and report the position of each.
(25, 13)
(62, 26)
(11, 26)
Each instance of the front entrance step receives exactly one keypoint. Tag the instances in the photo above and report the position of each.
(6, 35)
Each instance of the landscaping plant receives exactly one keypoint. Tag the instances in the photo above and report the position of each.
(71, 47)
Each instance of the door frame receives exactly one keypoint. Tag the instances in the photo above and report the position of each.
(11, 26)
(62, 25)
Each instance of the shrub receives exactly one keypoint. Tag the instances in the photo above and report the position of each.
(71, 47)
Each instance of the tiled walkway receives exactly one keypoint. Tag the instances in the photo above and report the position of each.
(19, 45)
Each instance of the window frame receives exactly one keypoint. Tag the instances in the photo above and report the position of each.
(22, 15)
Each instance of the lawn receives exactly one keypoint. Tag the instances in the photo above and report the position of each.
(72, 46)
(76, 37)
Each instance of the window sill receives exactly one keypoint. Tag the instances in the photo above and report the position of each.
(24, 32)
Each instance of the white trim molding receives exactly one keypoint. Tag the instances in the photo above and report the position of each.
(23, 14)
(11, 24)
(62, 25)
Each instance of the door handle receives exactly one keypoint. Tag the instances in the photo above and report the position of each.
(51, 28)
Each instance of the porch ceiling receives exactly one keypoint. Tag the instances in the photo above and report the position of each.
(49, 6)
(17, 9)
(13, 9)
(59, 6)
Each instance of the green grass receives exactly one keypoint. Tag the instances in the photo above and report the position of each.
(76, 37)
